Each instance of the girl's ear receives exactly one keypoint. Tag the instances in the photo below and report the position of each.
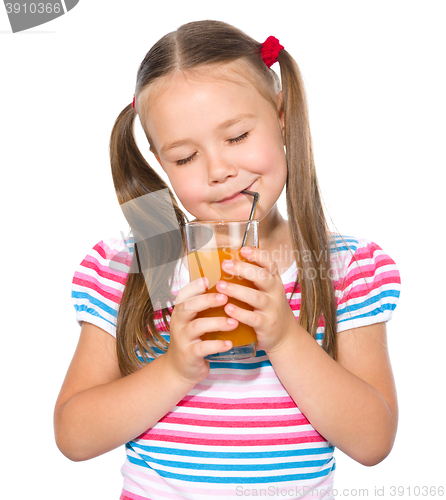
(156, 156)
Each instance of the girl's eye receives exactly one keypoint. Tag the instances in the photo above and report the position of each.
(240, 138)
(185, 160)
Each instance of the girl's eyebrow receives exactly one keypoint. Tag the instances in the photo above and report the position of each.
(233, 121)
(226, 124)
(176, 144)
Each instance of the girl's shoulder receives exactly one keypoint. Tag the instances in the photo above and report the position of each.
(99, 281)
(366, 279)
(348, 252)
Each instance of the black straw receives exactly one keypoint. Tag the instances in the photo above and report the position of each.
(253, 211)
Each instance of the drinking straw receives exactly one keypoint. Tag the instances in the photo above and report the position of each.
(245, 237)
(251, 216)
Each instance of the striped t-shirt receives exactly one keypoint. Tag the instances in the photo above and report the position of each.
(238, 433)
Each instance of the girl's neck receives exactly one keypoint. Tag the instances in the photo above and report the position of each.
(274, 236)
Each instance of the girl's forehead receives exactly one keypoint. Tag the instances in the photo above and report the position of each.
(239, 72)
(204, 75)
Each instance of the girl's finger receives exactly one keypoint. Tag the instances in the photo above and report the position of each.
(185, 320)
(252, 272)
(192, 289)
(250, 296)
(190, 307)
(218, 324)
(244, 316)
(260, 257)
(207, 347)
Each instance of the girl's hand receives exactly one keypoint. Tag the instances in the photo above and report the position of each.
(272, 317)
(186, 351)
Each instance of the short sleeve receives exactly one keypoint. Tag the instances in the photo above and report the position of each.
(369, 288)
(99, 281)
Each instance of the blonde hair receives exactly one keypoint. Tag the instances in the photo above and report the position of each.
(193, 46)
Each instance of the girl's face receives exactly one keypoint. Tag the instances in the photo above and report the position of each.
(215, 137)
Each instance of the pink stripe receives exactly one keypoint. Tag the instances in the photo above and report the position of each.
(122, 255)
(127, 495)
(92, 284)
(104, 271)
(281, 399)
(181, 487)
(234, 422)
(249, 403)
(230, 439)
(364, 289)
(134, 496)
(289, 288)
(364, 273)
(370, 269)
(90, 279)
(224, 437)
(235, 388)
(295, 304)
(367, 251)
(104, 267)
(379, 260)
(218, 442)
(233, 418)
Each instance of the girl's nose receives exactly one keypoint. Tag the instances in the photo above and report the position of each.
(219, 168)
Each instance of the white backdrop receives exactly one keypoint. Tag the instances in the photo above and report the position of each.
(375, 77)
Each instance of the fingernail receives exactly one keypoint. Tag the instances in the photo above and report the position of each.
(228, 263)
(231, 321)
(222, 285)
(246, 250)
(220, 297)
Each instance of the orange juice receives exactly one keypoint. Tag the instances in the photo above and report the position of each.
(211, 261)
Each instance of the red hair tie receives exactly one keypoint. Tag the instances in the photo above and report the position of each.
(133, 103)
(270, 50)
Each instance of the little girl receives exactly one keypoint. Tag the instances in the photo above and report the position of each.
(219, 122)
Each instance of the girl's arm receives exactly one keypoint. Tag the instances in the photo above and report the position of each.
(98, 410)
(351, 402)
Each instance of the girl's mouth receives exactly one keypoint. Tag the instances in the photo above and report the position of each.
(236, 197)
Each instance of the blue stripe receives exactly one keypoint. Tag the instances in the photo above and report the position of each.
(235, 467)
(384, 307)
(234, 365)
(237, 480)
(370, 301)
(344, 244)
(93, 312)
(231, 455)
(238, 366)
(149, 359)
(95, 302)
(342, 249)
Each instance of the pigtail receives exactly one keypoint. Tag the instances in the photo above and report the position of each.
(309, 230)
(133, 177)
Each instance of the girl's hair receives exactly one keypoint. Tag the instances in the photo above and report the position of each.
(194, 46)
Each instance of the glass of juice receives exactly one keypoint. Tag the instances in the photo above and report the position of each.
(209, 243)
